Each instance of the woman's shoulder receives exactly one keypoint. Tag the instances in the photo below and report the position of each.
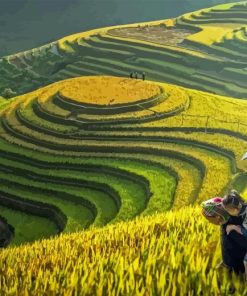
(244, 208)
(244, 211)
(236, 220)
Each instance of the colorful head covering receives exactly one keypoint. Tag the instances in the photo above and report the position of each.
(213, 207)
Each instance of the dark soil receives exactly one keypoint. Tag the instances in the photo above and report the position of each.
(157, 34)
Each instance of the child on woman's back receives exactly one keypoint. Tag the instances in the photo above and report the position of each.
(235, 205)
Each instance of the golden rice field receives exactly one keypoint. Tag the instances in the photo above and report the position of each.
(124, 181)
(102, 176)
(101, 90)
(173, 253)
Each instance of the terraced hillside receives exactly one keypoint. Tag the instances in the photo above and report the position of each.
(91, 151)
(204, 50)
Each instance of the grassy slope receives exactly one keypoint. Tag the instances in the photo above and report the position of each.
(112, 147)
(169, 254)
(26, 29)
(192, 271)
(68, 57)
(167, 248)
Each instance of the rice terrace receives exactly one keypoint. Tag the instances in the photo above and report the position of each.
(110, 141)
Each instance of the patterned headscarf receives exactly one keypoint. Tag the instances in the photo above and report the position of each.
(213, 207)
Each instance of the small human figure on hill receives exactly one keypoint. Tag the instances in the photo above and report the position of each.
(111, 101)
(143, 75)
(131, 74)
(235, 205)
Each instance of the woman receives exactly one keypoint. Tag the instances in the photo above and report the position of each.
(233, 245)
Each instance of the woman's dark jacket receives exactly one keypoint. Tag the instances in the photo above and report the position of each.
(234, 245)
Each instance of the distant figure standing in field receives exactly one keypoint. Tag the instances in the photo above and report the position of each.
(135, 75)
